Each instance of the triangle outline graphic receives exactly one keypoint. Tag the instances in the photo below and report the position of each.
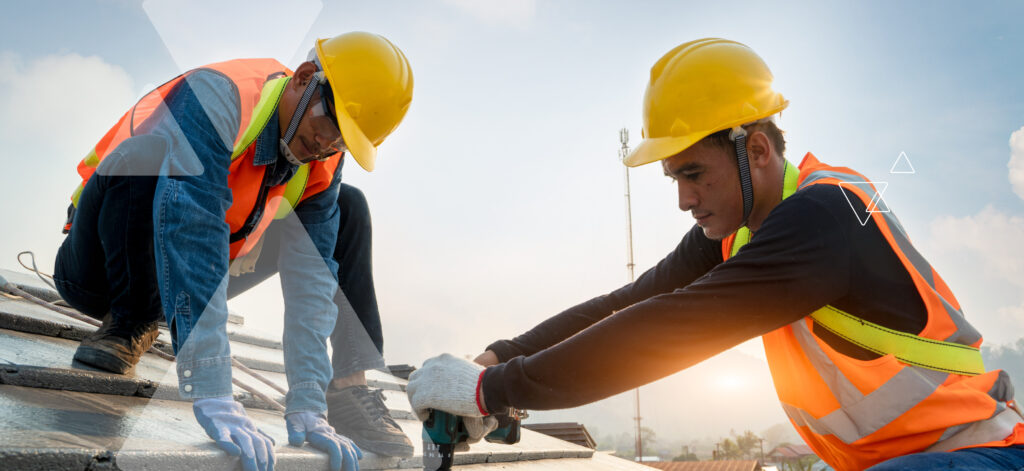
(902, 165)
(873, 206)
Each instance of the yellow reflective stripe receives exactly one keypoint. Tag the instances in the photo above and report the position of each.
(269, 97)
(789, 186)
(91, 159)
(789, 181)
(77, 194)
(741, 239)
(293, 191)
(911, 349)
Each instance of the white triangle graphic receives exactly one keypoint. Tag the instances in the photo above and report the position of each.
(196, 33)
(876, 205)
(902, 164)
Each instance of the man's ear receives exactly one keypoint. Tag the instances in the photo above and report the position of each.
(759, 149)
(303, 74)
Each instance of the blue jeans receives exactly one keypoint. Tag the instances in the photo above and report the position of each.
(968, 459)
(355, 276)
(106, 263)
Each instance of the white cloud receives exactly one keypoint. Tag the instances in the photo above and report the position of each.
(1016, 165)
(509, 12)
(992, 235)
(195, 31)
(60, 104)
(53, 109)
(985, 250)
(1011, 315)
(980, 256)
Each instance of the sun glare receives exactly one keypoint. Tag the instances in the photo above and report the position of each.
(729, 382)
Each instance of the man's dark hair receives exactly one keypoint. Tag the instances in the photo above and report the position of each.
(768, 127)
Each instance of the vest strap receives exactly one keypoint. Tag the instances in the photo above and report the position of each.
(292, 192)
(269, 98)
(911, 349)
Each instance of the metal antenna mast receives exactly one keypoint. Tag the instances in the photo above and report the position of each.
(623, 152)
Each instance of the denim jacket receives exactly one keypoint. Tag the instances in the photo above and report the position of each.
(200, 120)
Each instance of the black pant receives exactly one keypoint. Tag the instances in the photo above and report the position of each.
(106, 263)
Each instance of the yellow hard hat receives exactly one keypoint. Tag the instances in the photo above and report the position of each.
(372, 84)
(699, 88)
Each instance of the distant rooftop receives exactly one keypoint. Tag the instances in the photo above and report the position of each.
(569, 431)
(706, 465)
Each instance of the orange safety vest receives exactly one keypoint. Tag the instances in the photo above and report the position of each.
(260, 83)
(856, 413)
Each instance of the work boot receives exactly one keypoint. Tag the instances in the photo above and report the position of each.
(360, 414)
(118, 345)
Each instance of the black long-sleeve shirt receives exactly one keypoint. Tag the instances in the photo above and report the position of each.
(810, 251)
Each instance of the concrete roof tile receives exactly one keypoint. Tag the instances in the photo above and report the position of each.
(60, 415)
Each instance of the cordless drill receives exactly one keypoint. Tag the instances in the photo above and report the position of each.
(443, 431)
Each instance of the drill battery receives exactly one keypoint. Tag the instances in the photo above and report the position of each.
(442, 432)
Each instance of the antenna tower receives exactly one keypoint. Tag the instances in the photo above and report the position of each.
(630, 266)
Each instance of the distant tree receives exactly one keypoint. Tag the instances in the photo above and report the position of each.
(728, 450)
(649, 440)
(625, 445)
(803, 464)
(777, 435)
(748, 443)
(686, 455)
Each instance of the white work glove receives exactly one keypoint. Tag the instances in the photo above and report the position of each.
(312, 427)
(224, 420)
(446, 383)
(477, 428)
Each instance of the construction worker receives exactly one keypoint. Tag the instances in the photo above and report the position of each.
(183, 190)
(869, 351)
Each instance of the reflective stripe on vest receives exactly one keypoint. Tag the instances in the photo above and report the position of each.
(856, 413)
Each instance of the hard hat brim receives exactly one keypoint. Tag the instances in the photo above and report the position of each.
(653, 150)
(660, 148)
(357, 143)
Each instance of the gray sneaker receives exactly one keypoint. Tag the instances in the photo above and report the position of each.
(359, 413)
(117, 346)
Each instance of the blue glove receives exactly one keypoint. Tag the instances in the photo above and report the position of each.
(226, 423)
(313, 427)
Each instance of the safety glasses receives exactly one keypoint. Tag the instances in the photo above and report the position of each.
(326, 100)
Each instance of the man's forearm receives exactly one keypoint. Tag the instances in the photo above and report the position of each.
(309, 283)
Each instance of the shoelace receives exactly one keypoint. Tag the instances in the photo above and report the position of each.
(374, 403)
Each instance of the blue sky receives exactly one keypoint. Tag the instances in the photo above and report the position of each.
(498, 202)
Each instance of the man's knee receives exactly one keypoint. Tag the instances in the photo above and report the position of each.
(355, 211)
(351, 197)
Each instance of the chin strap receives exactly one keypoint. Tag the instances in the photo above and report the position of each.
(300, 111)
(739, 135)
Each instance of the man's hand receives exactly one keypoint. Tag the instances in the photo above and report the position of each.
(224, 420)
(488, 358)
(449, 384)
(313, 427)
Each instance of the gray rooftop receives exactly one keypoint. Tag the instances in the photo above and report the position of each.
(62, 416)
